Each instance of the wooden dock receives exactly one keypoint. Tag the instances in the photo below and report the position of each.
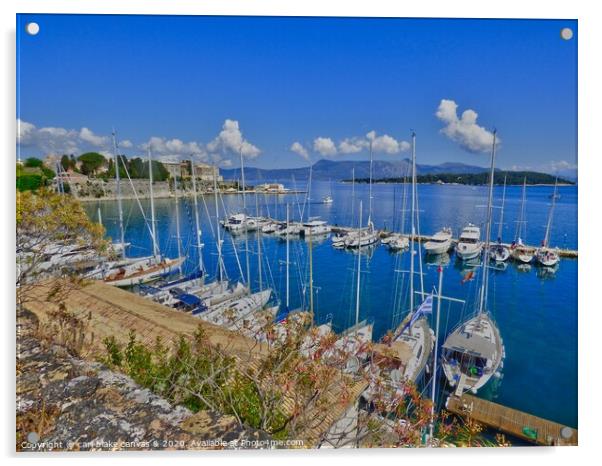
(564, 253)
(511, 421)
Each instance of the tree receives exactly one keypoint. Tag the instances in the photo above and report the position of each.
(91, 162)
(33, 162)
(46, 221)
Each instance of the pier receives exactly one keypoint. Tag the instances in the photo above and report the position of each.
(513, 422)
(564, 253)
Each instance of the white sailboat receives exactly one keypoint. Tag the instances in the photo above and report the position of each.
(499, 252)
(521, 253)
(545, 255)
(473, 352)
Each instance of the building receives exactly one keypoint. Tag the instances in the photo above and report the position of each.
(271, 188)
(203, 171)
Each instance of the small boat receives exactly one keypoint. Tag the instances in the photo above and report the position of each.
(362, 237)
(315, 228)
(545, 255)
(338, 240)
(327, 200)
(293, 229)
(499, 252)
(519, 252)
(138, 273)
(271, 227)
(440, 242)
(469, 245)
(398, 242)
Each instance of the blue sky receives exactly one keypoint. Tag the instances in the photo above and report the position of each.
(206, 84)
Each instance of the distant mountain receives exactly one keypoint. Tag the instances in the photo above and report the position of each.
(343, 169)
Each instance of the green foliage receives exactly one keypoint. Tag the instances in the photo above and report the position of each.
(68, 163)
(29, 182)
(137, 168)
(33, 162)
(91, 162)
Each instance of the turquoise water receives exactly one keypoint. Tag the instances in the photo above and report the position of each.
(536, 312)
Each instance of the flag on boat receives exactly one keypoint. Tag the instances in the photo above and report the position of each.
(425, 308)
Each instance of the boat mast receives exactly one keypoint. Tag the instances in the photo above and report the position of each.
(370, 189)
(521, 218)
(436, 351)
(244, 209)
(359, 273)
(196, 220)
(485, 266)
(99, 217)
(178, 236)
(258, 243)
(499, 231)
(546, 239)
(311, 279)
(352, 195)
(152, 203)
(287, 258)
(220, 260)
(311, 169)
(118, 195)
(412, 223)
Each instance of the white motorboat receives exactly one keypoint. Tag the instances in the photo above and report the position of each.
(398, 242)
(440, 242)
(499, 252)
(315, 228)
(327, 200)
(469, 244)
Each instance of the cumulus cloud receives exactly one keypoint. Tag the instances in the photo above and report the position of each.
(298, 149)
(464, 130)
(173, 149)
(325, 146)
(93, 139)
(230, 140)
(384, 144)
(126, 144)
(51, 140)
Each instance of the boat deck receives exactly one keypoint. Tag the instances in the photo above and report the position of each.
(511, 421)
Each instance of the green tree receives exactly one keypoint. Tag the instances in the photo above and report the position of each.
(33, 162)
(91, 162)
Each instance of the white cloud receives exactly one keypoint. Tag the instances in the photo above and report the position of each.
(325, 146)
(230, 140)
(126, 144)
(352, 145)
(465, 130)
(93, 139)
(173, 149)
(49, 140)
(298, 149)
(386, 144)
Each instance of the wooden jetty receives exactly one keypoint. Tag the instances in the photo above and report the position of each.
(511, 421)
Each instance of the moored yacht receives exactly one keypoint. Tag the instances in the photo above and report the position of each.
(469, 244)
(440, 242)
(545, 255)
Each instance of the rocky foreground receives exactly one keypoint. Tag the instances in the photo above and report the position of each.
(66, 403)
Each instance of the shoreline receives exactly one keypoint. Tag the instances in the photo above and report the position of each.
(183, 194)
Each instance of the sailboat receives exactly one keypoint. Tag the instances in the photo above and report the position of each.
(521, 253)
(148, 269)
(328, 198)
(473, 352)
(545, 255)
(499, 252)
(414, 340)
(367, 236)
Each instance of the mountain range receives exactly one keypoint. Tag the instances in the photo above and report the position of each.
(344, 170)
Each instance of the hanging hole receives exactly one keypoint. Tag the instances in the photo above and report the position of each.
(32, 28)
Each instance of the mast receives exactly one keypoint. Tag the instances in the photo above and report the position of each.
(436, 351)
(178, 236)
(220, 260)
(258, 243)
(152, 203)
(118, 195)
(412, 223)
(244, 209)
(311, 278)
(370, 189)
(99, 216)
(499, 231)
(196, 220)
(521, 218)
(287, 258)
(546, 239)
(352, 195)
(359, 272)
(485, 267)
(311, 168)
